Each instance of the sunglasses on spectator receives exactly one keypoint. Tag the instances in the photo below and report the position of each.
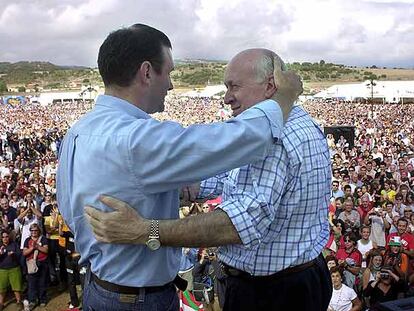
(34, 230)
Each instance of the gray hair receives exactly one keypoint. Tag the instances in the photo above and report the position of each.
(265, 65)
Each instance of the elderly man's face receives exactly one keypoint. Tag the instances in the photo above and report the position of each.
(243, 88)
(4, 203)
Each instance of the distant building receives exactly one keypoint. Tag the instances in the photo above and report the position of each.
(47, 98)
(382, 91)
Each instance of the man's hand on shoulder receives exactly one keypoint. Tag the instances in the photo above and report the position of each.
(289, 87)
(123, 225)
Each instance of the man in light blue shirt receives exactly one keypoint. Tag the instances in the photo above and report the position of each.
(118, 149)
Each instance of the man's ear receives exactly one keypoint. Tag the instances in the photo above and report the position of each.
(271, 87)
(144, 73)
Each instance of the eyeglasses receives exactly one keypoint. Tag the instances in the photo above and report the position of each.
(5, 236)
(34, 230)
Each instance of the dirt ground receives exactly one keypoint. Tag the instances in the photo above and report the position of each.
(58, 301)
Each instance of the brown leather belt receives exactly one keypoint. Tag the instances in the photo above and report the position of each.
(233, 272)
(127, 290)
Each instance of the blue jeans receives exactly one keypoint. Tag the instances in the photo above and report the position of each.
(96, 298)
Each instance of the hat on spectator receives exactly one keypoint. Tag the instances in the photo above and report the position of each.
(395, 241)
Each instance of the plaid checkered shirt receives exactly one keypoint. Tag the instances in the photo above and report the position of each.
(279, 206)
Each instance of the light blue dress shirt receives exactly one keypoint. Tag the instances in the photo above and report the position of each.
(119, 150)
(278, 205)
(188, 259)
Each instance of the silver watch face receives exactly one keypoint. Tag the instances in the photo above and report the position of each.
(153, 244)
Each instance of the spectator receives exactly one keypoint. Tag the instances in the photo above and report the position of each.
(365, 245)
(385, 287)
(10, 273)
(350, 217)
(406, 239)
(343, 297)
(336, 192)
(350, 259)
(35, 247)
(395, 258)
(375, 263)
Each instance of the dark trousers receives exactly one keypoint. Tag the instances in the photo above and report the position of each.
(54, 251)
(37, 282)
(307, 290)
(72, 269)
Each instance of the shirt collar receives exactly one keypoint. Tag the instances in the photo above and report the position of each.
(122, 105)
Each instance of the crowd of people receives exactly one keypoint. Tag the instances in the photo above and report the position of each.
(371, 249)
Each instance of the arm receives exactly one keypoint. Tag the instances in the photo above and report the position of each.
(27, 250)
(217, 227)
(371, 286)
(186, 155)
(244, 218)
(44, 248)
(356, 304)
(365, 278)
(353, 270)
(36, 212)
(387, 225)
(22, 215)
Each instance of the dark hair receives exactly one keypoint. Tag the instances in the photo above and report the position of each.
(124, 50)
(337, 269)
(352, 237)
(340, 221)
(330, 258)
(403, 220)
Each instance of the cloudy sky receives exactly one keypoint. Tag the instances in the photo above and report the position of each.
(352, 32)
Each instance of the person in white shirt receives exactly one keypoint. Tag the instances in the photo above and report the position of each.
(376, 154)
(343, 298)
(22, 223)
(365, 245)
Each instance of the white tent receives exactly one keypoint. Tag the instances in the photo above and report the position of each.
(388, 91)
(48, 98)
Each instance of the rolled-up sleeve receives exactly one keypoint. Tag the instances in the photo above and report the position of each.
(252, 207)
(212, 187)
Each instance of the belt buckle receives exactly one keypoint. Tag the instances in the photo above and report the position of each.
(126, 298)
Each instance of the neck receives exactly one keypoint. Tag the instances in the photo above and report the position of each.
(128, 94)
(338, 286)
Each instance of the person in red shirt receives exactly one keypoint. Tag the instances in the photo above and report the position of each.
(407, 239)
(364, 208)
(350, 259)
(36, 247)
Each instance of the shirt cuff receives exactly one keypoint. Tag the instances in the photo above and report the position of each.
(242, 223)
(272, 112)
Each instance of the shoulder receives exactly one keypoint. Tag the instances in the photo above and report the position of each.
(349, 292)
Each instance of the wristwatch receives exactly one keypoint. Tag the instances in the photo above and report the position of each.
(153, 242)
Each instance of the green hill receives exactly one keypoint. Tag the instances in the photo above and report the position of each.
(38, 76)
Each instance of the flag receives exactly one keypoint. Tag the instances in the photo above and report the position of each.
(188, 302)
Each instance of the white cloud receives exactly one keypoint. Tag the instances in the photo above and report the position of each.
(352, 32)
